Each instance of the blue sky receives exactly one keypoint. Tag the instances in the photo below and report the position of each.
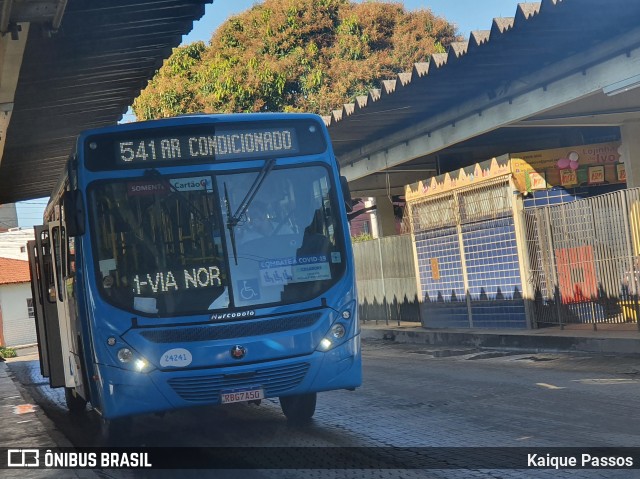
(468, 15)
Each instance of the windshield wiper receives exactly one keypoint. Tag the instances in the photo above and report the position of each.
(232, 233)
(233, 220)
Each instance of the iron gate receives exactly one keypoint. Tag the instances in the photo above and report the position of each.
(584, 260)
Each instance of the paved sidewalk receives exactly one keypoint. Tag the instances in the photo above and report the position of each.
(24, 425)
(616, 339)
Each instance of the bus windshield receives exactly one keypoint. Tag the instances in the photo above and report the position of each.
(167, 245)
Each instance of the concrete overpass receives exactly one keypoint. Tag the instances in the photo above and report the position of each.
(67, 65)
(559, 73)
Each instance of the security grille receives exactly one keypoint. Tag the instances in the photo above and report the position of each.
(490, 201)
(431, 213)
(584, 258)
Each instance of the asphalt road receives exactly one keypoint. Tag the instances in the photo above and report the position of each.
(413, 397)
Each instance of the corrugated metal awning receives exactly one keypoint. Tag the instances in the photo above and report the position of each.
(85, 75)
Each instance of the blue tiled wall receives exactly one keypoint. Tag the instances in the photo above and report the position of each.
(495, 287)
(443, 300)
(494, 277)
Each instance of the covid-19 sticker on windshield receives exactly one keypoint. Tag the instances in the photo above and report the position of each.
(282, 271)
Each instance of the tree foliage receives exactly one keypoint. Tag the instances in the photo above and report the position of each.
(294, 55)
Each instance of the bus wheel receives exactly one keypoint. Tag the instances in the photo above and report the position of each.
(299, 408)
(115, 432)
(75, 402)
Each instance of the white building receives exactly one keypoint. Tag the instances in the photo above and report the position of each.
(17, 322)
(8, 216)
(13, 243)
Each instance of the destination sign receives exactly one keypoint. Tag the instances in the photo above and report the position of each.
(221, 145)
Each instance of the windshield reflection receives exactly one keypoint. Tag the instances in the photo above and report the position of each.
(158, 244)
(287, 243)
(162, 244)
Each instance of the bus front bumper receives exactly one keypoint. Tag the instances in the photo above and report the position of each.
(125, 392)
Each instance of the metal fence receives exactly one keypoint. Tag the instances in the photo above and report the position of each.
(584, 260)
(386, 280)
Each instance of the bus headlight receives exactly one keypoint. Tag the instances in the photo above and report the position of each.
(334, 337)
(338, 331)
(140, 364)
(125, 355)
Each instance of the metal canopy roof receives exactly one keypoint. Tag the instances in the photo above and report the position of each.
(543, 43)
(83, 75)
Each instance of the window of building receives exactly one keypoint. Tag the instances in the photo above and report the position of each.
(30, 307)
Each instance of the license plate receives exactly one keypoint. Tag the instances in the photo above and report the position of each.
(242, 395)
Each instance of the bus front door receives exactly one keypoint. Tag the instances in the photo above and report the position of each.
(45, 307)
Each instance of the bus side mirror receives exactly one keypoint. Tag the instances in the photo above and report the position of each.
(348, 202)
(73, 206)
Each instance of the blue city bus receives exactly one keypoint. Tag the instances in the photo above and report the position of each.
(198, 260)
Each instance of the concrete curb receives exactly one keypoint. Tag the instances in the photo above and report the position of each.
(25, 349)
(508, 341)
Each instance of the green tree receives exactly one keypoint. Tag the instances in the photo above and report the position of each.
(294, 55)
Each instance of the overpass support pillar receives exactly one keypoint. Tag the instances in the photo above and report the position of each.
(385, 218)
(631, 152)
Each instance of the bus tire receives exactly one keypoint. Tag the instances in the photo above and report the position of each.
(75, 402)
(115, 432)
(299, 408)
